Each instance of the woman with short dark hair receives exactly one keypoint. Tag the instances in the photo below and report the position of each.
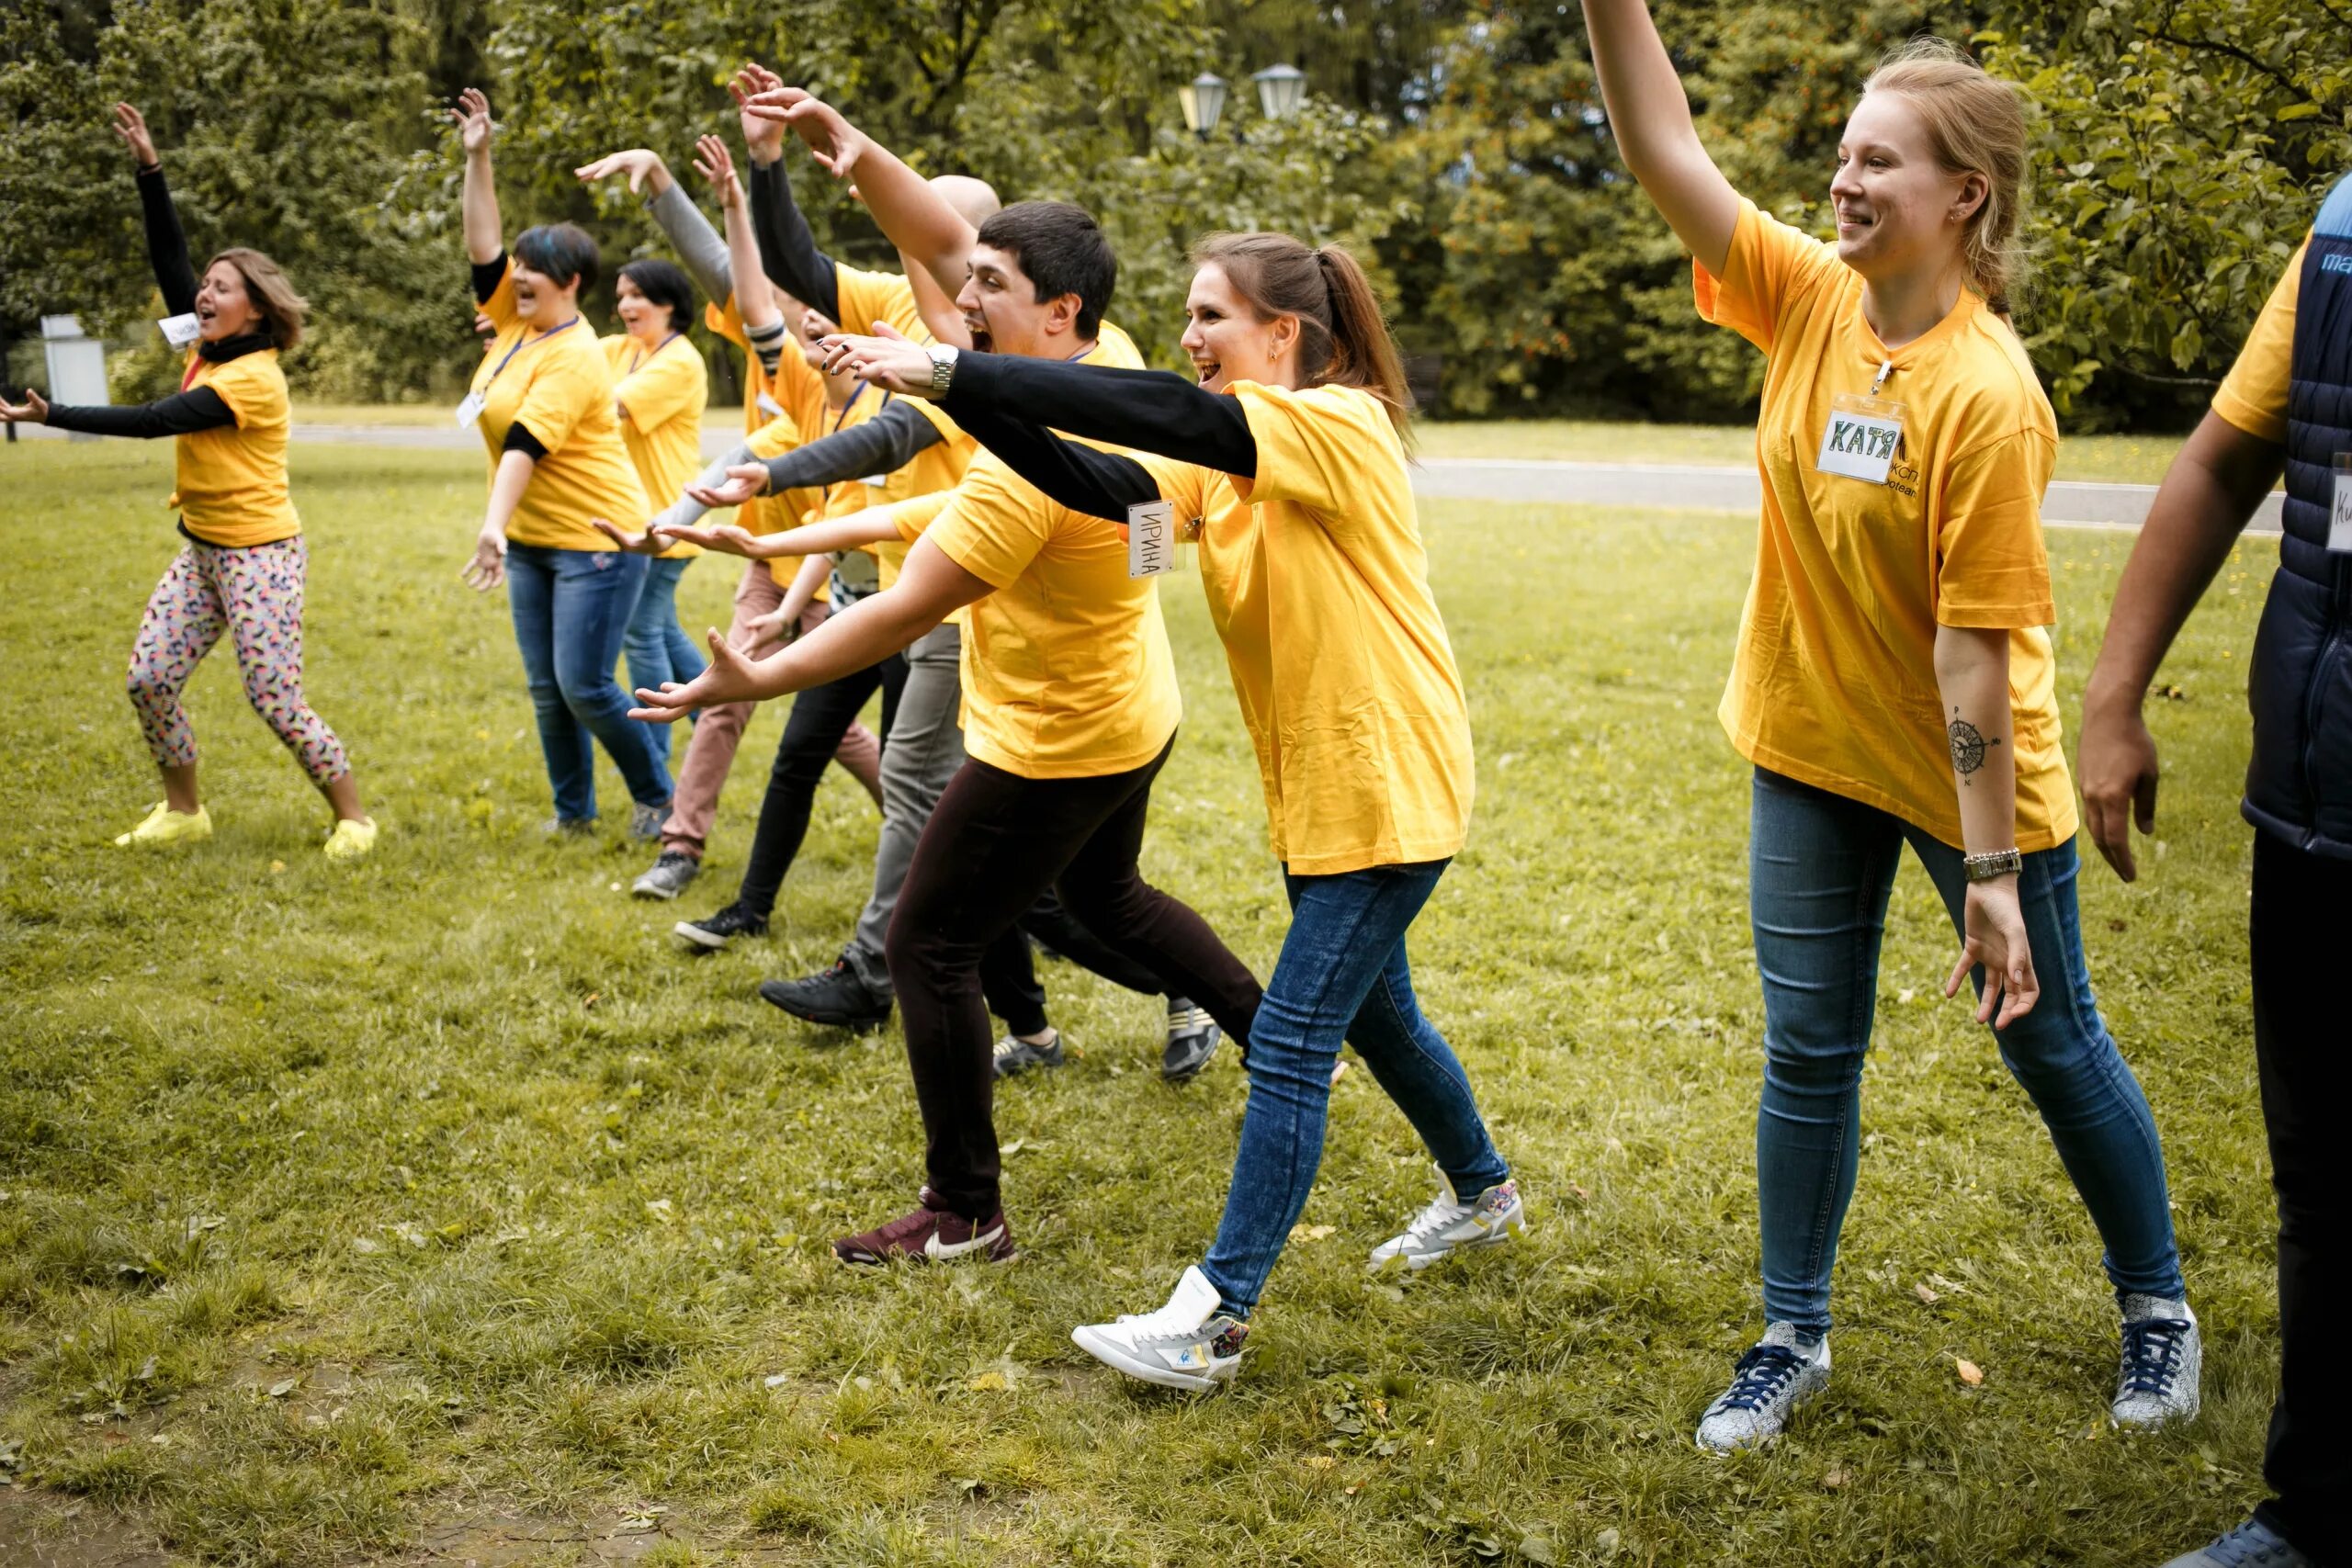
(543, 402)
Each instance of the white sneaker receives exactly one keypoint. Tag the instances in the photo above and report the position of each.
(2163, 1356)
(1186, 1343)
(1776, 1375)
(1449, 1224)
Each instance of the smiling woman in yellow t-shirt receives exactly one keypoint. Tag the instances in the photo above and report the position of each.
(1289, 457)
(244, 565)
(543, 402)
(1894, 679)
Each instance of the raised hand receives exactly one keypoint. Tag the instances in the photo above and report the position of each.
(715, 163)
(486, 567)
(640, 163)
(34, 410)
(744, 481)
(131, 126)
(888, 359)
(646, 543)
(1995, 937)
(830, 140)
(473, 116)
(763, 136)
(727, 679)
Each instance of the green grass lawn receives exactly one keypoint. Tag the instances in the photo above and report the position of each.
(441, 1204)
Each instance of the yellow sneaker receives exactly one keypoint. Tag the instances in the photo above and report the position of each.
(164, 826)
(350, 839)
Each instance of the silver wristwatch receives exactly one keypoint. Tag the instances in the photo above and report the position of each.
(1993, 863)
(943, 368)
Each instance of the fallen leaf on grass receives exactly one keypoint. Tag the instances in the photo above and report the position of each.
(1925, 1295)
(988, 1382)
(283, 1387)
(1319, 1462)
(1836, 1479)
(1969, 1373)
(276, 866)
(1309, 1233)
(775, 1380)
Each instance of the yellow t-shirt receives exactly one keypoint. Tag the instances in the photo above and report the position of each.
(2253, 395)
(231, 483)
(1318, 585)
(1835, 682)
(866, 297)
(662, 395)
(779, 412)
(557, 385)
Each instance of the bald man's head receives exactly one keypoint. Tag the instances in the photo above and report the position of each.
(976, 200)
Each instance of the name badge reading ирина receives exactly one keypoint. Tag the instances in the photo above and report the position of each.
(1862, 437)
(1156, 539)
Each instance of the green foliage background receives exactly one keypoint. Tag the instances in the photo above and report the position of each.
(2186, 144)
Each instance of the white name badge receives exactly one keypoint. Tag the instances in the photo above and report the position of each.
(769, 407)
(1155, 539)
(2339, 515)
(1862, 437)
(875, 482)
(469, 411)
(181, 331)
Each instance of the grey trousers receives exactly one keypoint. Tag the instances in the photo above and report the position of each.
(924, 750)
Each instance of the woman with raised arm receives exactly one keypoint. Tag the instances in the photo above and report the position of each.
(543, 402)
(1288, 458)
(1894, 682)
(244, 566)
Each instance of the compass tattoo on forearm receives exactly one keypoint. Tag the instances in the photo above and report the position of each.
(1968, 747)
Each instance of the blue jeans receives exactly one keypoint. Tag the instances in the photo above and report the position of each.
(658, 647)
(1343, 974)
(1820, 870)
(570, 608)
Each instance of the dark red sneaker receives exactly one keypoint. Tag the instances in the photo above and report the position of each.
(931, 1235)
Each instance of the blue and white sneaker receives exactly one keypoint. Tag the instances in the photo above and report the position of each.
(1189, 1343)
(2163, 1356)
(1450, 1225)
(1777, 1374)
(2251, 1545)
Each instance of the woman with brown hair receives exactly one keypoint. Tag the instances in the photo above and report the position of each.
(1287, 459)
(244, 564)
(1894, 682)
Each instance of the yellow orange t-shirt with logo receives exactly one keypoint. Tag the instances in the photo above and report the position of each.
(1066, 667)
(662, 393)
(231, 487)
(1833, 683)
(2253, 395)
(557, 385)
(1318, 582)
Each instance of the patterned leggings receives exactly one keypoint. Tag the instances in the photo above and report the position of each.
(256, 595)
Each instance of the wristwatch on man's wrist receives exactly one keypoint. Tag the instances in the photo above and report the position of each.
(943, 368)
(1993, 863)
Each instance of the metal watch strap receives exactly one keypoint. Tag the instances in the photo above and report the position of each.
(1993, 863)
(943, 368)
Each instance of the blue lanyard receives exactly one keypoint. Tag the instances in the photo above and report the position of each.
(641, 355)
(522, 344)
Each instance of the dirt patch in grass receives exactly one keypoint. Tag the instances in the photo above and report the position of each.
(37, 1531)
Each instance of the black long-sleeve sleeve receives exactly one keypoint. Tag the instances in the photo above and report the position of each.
(1149, 410)
(488, 275)
(166, 244)
(182, 413)
(887, 442)
(1083, 478)
(787, 248)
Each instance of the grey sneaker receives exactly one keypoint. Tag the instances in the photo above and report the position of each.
(2251, 1545)
(670, 876)
(568, 828)
(2164, 1355)
(1192, 1040)
(1016, 1056)
(1450, 1225)
(1777, 1374)
(645, 822)
(1189, 1343)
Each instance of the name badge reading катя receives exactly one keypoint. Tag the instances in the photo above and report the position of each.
(1860, 438)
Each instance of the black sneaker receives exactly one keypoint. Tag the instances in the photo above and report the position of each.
(1193, 1035)
(723, 927)
(836, 997)
(1014, 1055)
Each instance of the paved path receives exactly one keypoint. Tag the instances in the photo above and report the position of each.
(2070, 504)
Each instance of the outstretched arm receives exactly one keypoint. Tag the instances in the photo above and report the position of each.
(182, 413)
(485, 238)
(916, 218)
(166, 244)
(1083, 478)
(789, 249)
(1650, 117)
(872, 527)
(754, 302)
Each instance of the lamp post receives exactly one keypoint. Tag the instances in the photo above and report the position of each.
(1282, 89)
(1203, 99)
